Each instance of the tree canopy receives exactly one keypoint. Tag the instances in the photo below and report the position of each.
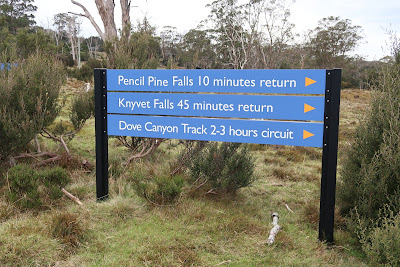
(334, 37)
(16, 14)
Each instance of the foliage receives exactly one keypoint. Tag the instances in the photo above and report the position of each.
(197, 50)
(138, 50)
(229, 33)
(23, 187)
(28, 100)
(15, 14)
(28, 43)
(169, 39)
(82, 108)
(158, 189)
(371, 172)
(53, 179)
(254, 35)
(85, 73)
(30, 188)
(227, 166)
(382, 242)
(333, 38)
(7, 40)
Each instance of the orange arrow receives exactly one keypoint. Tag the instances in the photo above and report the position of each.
(306, 134)
(309, 81)
(307, 108)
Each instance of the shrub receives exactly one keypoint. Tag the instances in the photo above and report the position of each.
(382, 242)
(24, 187)
(226, 166)
(31, 189)
(370, 177)
(53, 180)
(159, 189)
(28, 100)
(85, 73)
(82, 108)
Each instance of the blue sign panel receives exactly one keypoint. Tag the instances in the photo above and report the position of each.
(7, 66)
(241, 131)
(207, 105)
(233, 81)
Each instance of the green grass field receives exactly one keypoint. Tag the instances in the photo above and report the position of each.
(199, 229)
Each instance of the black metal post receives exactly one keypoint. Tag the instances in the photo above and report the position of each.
(100, 87)
(329, 154)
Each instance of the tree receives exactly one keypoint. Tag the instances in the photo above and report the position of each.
(333, 39)
(28, 42)
(252, 35)
(106, 12)
(197, 50)
(94, 44)
(7, 40)
(169, 40)
(272, 31)
(68, 26)
(231, 38)
(16, 14)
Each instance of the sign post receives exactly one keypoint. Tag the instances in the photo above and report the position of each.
(278, 107)
(100, 88)
(329, 155)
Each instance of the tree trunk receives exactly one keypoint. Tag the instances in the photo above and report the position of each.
(126, 17)
(106, 12)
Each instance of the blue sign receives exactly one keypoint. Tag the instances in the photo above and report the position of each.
(211, 105)
(7, 66)
(232, 81)
(226, 130)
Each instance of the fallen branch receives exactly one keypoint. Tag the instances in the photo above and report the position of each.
(74, 198)
(274, 231)
(224, 262)
(36, 155)
(211, 191)
(289, 209)
(47, 161)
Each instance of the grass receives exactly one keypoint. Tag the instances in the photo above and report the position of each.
(201, 230)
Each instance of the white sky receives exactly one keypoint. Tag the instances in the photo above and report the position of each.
(375, 16)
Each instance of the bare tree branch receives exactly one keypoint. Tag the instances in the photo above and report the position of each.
(89, 16)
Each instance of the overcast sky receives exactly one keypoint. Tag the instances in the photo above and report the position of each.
(375, 16)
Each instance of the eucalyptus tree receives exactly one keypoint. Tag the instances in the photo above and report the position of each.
(15, 14)
(333, 39)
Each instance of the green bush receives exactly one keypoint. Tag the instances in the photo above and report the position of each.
(226, 166)
(370, 178)
(158, 189)
(24, 187)
(31, 189)
(82, 108)
(28, 100)
(53, 180)
(382, 243)
(85, 73)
